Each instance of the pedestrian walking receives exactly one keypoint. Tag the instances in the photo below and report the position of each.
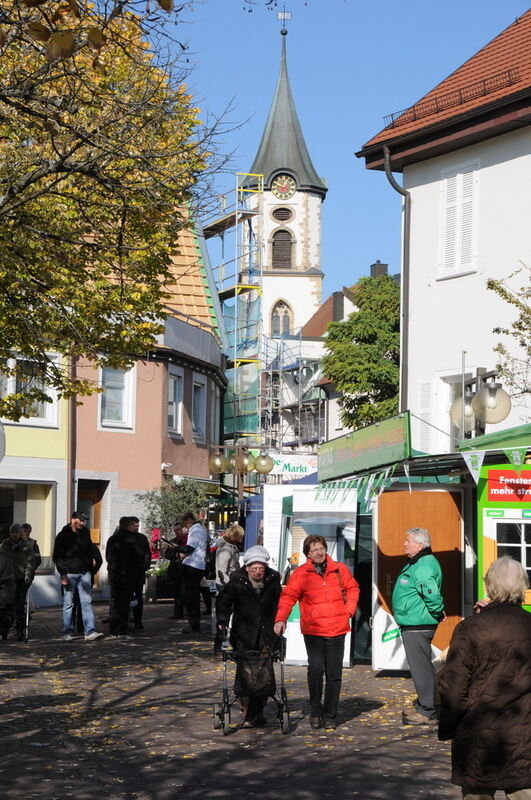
(485, 691)
(126, 568)
(418, 607)
(228, 553)
(77, 560)
(227, 561)
(327, 595)
(251, 595)
(18, 549)
(26, 533)
(7, 591)
(194, 568)
(144, 551)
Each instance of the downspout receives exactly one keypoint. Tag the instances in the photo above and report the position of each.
(404, 306)
(71, 493)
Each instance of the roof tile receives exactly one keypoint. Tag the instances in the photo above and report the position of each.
(500, 69)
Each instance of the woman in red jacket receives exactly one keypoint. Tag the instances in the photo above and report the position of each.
(328, 595)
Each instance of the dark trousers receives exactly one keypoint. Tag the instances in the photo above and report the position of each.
(417, 644)
(192, 580)
(20, 604)
(179, 598)
(138, 610)
(121, 594)
(325, 659)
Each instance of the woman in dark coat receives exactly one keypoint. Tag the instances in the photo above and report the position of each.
(485, 691)
(252, 595)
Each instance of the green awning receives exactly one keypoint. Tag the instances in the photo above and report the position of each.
(499, 440)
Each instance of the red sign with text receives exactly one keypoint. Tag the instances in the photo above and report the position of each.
(509, 486)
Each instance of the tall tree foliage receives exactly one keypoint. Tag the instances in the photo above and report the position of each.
(515, 355)
(363, 353)
(100, 151)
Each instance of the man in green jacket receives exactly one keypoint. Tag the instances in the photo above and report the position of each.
(418, 607)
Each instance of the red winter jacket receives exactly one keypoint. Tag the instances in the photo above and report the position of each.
(323, 610)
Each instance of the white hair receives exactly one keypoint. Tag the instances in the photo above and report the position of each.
(506, 581)
(420, 535)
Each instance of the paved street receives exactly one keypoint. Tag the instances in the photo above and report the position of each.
(132, 719)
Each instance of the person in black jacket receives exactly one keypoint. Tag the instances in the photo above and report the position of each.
(126, 569)
(77, 560)
(485, 691)
(252, 595)
(142, 545)
(7, 591)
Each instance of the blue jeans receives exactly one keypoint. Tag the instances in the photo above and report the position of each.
(82, 584)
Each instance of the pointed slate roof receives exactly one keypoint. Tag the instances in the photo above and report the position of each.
(283, 147)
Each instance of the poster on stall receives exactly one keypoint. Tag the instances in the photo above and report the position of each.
(333, 516)
(273, 496)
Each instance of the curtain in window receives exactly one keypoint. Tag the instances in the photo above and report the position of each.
(113, 396)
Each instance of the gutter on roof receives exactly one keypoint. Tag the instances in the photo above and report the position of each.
(404, 305)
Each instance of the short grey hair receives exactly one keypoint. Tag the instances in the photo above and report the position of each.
(506, 581)
(420, 535)
(15, 528)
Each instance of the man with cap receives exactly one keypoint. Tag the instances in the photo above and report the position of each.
(77, 560)
(251, 595)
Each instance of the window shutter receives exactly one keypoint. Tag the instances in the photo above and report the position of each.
(458, 211)
(282, 250)
(450, 225)
(465, 219)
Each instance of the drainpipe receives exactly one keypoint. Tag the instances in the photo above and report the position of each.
(404, 313)
(71, 493)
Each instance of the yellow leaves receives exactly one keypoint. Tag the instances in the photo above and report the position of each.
(33, 3)
(60, 45)
(39, 32)
(166, 5)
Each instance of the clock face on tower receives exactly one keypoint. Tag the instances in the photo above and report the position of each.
(283, 187)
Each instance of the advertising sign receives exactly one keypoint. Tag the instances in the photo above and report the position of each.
(382, 443)
(509, 486)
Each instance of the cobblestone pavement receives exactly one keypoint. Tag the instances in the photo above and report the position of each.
(132, 718)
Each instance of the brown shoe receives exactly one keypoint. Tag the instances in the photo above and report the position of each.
(416, 718)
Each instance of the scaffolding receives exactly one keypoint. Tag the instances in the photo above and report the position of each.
(293, 403)
(238, 276)
(273, 398)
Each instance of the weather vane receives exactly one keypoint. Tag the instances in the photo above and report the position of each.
(284, 16)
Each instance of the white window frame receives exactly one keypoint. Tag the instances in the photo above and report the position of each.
(175, 379)
(199, 428)
(458, 221)
(51, 410)
(215, 414)
(127, 424)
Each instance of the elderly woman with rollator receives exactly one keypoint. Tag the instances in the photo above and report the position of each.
(485, 691)
(251, 596)
(327, 595)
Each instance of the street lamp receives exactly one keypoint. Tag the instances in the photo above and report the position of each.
(489, 405)
(240, 463)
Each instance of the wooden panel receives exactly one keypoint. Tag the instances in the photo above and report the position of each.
(440, 513)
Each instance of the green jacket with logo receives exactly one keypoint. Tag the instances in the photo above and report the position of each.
(417, 599)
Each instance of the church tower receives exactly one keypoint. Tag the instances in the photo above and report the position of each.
(290, 217)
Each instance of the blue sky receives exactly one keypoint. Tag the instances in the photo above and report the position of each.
(350, 63)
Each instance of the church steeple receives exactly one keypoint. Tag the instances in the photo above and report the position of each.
(282, 148)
